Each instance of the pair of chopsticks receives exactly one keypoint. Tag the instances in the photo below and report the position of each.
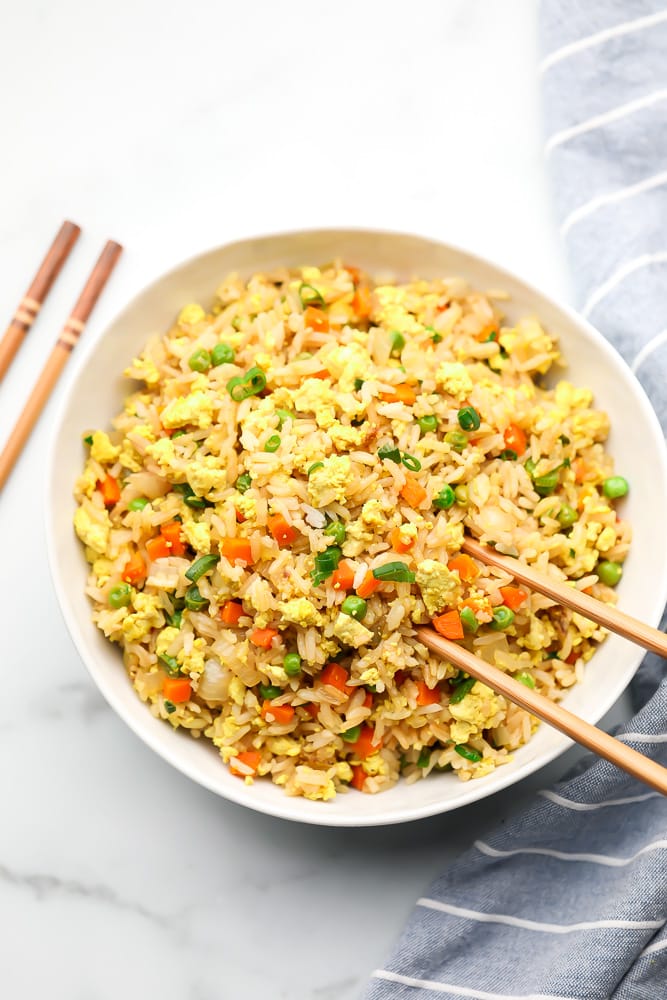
(601, 743)
(25, 316)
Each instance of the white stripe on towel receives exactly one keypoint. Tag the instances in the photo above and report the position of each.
(624, 271)
(595, 859)
(612, 198)
(652, 948)
(590, 806)
(648, 349)
(600, 37)
(464, 991)
(643, 737)
(597, 121)
(534, 925)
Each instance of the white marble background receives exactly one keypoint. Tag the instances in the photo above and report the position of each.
(172, 127)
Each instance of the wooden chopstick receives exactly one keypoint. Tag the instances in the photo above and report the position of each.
(604, 614)
(65, 344)
(33, 300)
(601, 743)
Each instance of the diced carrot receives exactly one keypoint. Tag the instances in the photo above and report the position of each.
(572, 658)
(401, 394)
(427, 695)
(368, 585)
(236, 550)
(231, 611)
(239, 516)
(515, 438)
(110, 490)
(513, 597)
(283, 532)
(365, 745)
(263, 637)
(368, 700)
(358, 777)
(171, 532)
(449, 625)
(312, 708)
(323, 373)
(176, 689)
(354, 273)
(135, 569)
(362, 302)
(316, 319)
(412, 492)
(277, 713)
(336, 676)
(250, 758)
(584, 493)
(399, 677)
(158, 548)
(343, 577)
(487, 330)
(580, 469)
(465, 566)
(398, 543)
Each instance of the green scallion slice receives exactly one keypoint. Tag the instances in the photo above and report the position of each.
(396, 572)
(201, 567)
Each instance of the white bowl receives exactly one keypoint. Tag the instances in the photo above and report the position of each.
(96, 395)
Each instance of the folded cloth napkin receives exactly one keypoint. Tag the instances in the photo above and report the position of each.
(569, 900)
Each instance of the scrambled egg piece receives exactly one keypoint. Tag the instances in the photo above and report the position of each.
(440, 587)
(129, 456)
(192, 662)
(373, 514)
(347, 363)
(540, 635)
(454, 379)
(190, 314)
(344, 437)
(528, 340)
(300, 611)
(329, 482)
(343, 771)
(205, 474)
(144, 369)
(165, 639)
(374, 764)
(392, 312)
(102, 450)
(246, 506)
(163, 452)
(316, 396)
(477, 711)
(351, 632)
(284, 746)
(606, 540)
(87, 481)
(237, 690)
(198, 535)
(93, 530)
(591, 424)
(146, 616)
(572, 397)
(585, 625)
(195, 408)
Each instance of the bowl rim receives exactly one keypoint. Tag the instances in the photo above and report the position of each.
(283, 807)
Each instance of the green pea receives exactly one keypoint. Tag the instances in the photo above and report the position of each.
(336, 530)
(292, 664)
(468, 418)
(468, 620)
(428, 423)
(523, 677)
(200, 361)
(355, 607)
(268, 692)
(351, 735)
(120, 596)
(193, 599)
(502, 618)
(397, 341)
(137, 504)
(456, 440)
(222, 354)
(243, 483)
(609, 573)
(566, 516)
(461, 496)
(445, 498)
(615, 487)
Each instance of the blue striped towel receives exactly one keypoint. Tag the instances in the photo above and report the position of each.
(569, 900)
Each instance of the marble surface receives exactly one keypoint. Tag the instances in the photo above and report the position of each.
(172, 128)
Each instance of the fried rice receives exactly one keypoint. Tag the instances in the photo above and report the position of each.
(283, 499)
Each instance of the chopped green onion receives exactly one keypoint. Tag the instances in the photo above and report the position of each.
(461, 496)
(197, 503)
(250, 384)
(268, 692)
(193, 599)
(502, 618)
(200, 361)
(508, 455)
(424, 758)
(411, 463)
(170, 664)
(325, 563)
(397, 572)
(463, 750)
(389, 453)
(315, 465)
(138, 503)
(456, 440)
(469, 620)
(523, 677)
(358, 382)
(461, 690)
(169, 706)
(244, 482)
(492, 336)
(563, 438)
(615, 487)
(273, 443)
(355, 607)
(222, 354)
(336, 530)
(428, 423)
(308, 294)
(284, 415)
(201, 567)
(351, 735)
(468, 418)
(566, 516)
(530, 467)
(397, 341)
(179, 433)
(436, 337)
(445, 498)
(609, 573)
(546, 484)
(292, 664)
(120, 596)
(88, 439)
(176, 619)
